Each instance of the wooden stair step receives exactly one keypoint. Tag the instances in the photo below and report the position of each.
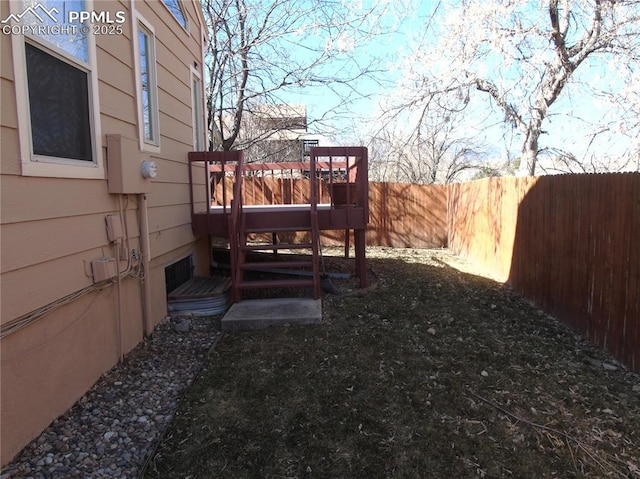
(279, 229)
(277, 264)
(261, 247)
(276, 283)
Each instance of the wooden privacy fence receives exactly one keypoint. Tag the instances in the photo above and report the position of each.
(405, 215)
(401, 215)
(569, 243)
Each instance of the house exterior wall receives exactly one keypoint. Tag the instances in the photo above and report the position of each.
(53, 227)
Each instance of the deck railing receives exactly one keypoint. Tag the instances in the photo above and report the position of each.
(350, 187)
(278, 183)
(334, 177)
(340, 173)
(333, 185)
(207, 170)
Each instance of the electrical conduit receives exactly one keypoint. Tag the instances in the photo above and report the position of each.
(146, 262)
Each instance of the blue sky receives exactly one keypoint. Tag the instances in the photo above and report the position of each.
(571, 117)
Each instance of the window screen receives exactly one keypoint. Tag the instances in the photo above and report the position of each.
(59, 104)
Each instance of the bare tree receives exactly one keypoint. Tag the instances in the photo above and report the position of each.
(426, 147)
(261, 49)
(521, 56)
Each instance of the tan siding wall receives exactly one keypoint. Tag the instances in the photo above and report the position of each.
(27, 289)
(165, 241)
(169, 214)
(52, 228)
(33, 242)
(10, 150)
(9, 115)
(172, 106)
(173, 171)
(173, 194)
(114, 60)
(118, 106)
(114, 126)
(167, 217)
(31, 199)
(6, 57)
(48, 365)
(9, 134)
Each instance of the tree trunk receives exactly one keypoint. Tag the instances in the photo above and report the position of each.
(529, 154)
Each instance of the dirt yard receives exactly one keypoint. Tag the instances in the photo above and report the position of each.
(436, 373)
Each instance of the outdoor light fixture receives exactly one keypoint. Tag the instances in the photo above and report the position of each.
(149, 169)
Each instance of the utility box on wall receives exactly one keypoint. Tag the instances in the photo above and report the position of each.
(103, 269)
(125, 166)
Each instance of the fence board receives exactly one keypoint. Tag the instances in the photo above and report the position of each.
(401, 214)
(406, 215)
(569, 243)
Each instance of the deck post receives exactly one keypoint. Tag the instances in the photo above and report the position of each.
(361, 260)
(346, 243)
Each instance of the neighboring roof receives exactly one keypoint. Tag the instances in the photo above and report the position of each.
(281, 110)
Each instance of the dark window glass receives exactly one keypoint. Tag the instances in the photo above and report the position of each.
(148, 104)
(197, 113)
(307, 145)
(59, 104)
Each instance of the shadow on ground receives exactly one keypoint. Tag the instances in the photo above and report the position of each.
(437, 373)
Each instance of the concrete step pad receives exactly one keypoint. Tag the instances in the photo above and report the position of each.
(252, 314)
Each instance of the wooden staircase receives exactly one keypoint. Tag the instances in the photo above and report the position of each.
(244, 263)
(280, 197)
(242, 225)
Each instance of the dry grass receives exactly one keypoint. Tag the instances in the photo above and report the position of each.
(437, 373)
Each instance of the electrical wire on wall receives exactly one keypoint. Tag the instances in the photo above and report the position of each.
(26, 319)
(59, 333)
(134, 269)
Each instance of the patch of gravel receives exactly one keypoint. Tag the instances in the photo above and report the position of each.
(114, 428)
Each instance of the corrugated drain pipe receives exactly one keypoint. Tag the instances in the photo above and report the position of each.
(146, 262)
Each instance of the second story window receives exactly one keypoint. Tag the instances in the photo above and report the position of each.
(307, 145)
(197, 110)
(147, 86)
(176, 9)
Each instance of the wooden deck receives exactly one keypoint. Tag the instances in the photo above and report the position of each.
(215, 222)
(230, 199)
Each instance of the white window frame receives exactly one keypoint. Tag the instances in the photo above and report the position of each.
(47, 166)
(141, 24)
(197, 119)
